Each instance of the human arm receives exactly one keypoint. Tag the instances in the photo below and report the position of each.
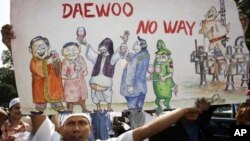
(10, 138)
(84, 69)
(158, 124)
(90, 54)
(55, 121)
(205, 116)
(120, 53)
(115, 57)
(3, 116)
(43, 129)
(37, 121)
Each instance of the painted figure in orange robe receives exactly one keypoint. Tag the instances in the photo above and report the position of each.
(46, 75)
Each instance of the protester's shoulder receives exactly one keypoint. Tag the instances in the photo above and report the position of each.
(27, 126)
(46, 132)
(5, 125)
(56, 137)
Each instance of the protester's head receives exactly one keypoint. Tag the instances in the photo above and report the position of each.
(75, 127)
(243, 113)
(15, 109)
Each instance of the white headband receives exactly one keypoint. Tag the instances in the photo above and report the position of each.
(67, 116)
(14, 102)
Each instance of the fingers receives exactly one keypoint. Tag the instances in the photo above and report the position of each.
(7, 31)
(201, 101)
(202, 104)
(7, 27)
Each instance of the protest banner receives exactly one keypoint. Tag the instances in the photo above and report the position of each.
(117, 55)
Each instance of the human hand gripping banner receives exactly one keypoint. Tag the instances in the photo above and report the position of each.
(136, 54)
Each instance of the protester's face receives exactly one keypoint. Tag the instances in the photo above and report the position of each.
(39, 49)
(15, 111)
(71, 52)
(192, 115)
(76, 128)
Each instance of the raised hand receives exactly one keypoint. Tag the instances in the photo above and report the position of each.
(7, 35)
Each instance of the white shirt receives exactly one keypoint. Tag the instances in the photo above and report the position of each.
(46, 132)
(127, 136)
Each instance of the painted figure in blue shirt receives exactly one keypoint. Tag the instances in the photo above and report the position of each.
(134, 81)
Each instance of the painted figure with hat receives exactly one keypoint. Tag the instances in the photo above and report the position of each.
(163, 83)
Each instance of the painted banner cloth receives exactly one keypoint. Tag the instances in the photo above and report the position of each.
(130, 54)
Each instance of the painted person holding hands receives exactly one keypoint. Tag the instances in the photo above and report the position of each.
(74, 70)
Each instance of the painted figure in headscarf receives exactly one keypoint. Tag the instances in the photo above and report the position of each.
(101, 81)
(163, 83)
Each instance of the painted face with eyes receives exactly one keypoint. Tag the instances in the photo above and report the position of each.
(212, 13)
(162, 58)
(76, 128)
(137, 47)
(71, 52)
(103, 51)
(39, 49)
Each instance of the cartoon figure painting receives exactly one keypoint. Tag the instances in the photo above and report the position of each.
(215, 31)
(163, 83)
(101, 80)
(133, 84)
(46, 80)
(74, 70)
